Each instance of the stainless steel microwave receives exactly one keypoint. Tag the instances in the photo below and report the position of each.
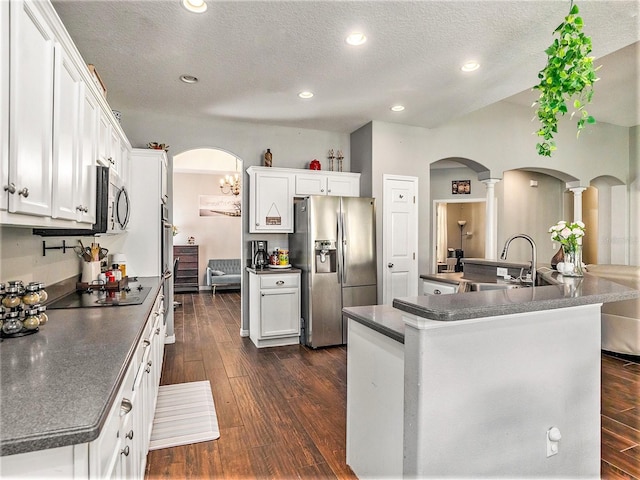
(112, 209)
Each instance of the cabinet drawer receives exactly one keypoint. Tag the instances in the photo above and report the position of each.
(437, 288)
(185, 250)
(279, 281)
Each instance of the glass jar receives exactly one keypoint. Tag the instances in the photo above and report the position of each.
(283, 257)
(31, 320)
(12, 323)
(12, 297)
(42, 315)
(31, 295)
(42, 292)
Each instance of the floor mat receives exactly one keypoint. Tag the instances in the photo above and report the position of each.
(185, 413)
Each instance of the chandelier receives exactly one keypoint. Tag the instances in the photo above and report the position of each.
(230, 184)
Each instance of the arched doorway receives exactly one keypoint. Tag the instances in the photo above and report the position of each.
(207, 205)
(459, 210)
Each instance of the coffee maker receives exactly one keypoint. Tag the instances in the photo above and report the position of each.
(259, 255)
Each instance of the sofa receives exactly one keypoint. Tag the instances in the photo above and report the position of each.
(224, 273)
(620, 320)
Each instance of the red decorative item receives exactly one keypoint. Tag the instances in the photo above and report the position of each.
(315, 165)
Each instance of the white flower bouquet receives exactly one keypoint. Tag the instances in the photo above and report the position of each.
(569, 235)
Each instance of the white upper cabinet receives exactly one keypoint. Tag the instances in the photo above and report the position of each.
(342, 184)
(271, 200)
(4, 103)
(86, 172)
(115, 153)
(30, 111)
(104, 139)
(54, 123)
(68, 88)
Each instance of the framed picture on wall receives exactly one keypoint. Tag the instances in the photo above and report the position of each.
(460, 187)
(216, 205)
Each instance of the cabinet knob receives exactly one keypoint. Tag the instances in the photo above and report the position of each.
(148, 369)
(158, 331)
(329, 191)
(321, 190)
(125, 451)
(437, 292)
(24, 192)
(390, 265)
(79, 208)
(280, 282)
(257, 224)
(11, 188)
(129, 435)
(126, 406)
(146, 342)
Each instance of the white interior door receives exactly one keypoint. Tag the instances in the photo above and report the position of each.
(399, 237)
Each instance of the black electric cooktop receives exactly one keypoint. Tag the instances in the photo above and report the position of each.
(99, 297)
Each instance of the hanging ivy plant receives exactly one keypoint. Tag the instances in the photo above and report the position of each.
(569, 74)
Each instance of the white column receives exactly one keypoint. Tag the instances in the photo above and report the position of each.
(577, 202)
(491, 231)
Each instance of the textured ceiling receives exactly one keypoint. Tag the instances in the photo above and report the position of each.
(252, 58)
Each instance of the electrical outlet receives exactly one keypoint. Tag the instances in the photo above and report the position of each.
(502, 272)
(553, 441)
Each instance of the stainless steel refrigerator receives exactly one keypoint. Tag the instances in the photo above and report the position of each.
(334, 244)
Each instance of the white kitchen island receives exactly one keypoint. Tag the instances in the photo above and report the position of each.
(469, 385)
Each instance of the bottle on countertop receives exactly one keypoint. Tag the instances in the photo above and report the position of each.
(268, 158)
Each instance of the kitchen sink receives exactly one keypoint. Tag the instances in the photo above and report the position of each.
(483, 286)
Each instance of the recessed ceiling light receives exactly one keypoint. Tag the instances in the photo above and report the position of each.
(189, 79)
(397, 108)
(195, 6)
(305, 94)
(356, 38)
(470, 66)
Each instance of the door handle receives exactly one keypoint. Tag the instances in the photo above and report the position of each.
(390, 265)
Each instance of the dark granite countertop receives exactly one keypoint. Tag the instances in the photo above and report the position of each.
(451, 278)
(563, 292)
(271, 271)
(58, 385)
(567, 292)
(382, 318)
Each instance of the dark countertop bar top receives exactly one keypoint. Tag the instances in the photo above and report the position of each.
(563, 292)
(271, 271)
(382, 318)
(566, 292)
(58, 385)
(452, 278)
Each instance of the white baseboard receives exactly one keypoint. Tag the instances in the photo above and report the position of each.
(169, 339)
(244, 333)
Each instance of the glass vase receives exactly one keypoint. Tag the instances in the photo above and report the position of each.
(573, 261)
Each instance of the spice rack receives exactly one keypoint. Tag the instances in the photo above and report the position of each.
(21, 309)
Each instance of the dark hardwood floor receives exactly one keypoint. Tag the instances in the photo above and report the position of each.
(282, 411)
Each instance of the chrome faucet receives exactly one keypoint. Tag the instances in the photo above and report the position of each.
(503, 256)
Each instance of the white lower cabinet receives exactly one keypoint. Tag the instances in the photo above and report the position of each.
(120, 451)
(274, 308)
(432, 287)
(124, 440)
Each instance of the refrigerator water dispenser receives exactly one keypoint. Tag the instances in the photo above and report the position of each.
(325, 256)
